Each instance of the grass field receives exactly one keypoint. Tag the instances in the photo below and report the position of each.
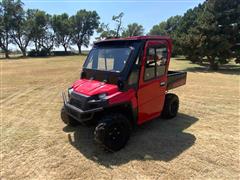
(203, 141)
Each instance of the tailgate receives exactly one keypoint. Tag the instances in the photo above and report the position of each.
(176, 79)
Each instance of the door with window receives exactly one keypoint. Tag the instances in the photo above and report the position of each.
(152, 81)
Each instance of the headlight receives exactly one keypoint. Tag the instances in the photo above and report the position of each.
(70, 90)
(102, 96)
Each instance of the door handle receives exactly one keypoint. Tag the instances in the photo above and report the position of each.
(162, 83)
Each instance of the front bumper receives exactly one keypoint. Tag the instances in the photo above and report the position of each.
(77, 113)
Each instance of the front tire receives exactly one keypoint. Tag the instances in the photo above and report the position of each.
(113, 132)
(68, 120)
(171, 106)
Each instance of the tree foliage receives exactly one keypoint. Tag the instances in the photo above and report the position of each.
(118, 20)
(63, 29)
(211, 30)
(84, 23)
(106, 32)
(42, 34)
(220, 28)
(8, 10)
(169, 28)
(21, 31)
(188, 35)
(133, 29)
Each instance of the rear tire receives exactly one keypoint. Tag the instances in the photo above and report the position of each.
(171, 106)
(68, 120)
(113, 132)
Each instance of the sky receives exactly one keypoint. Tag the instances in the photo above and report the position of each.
(145, 12)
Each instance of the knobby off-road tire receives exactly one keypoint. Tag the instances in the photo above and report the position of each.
(113, 132)
(68, 120)
(171, 106)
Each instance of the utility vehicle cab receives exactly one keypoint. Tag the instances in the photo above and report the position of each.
(124, 82)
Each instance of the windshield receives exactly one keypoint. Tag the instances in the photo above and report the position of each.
(108, 59)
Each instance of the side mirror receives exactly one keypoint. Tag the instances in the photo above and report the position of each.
(120, 84)
(83, 75)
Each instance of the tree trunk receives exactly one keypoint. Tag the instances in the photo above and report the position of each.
(24, 53)
(7, 54)
(79, 49)
(201, 60)
(36, 45)
(213, 64)
(6, 47)
(65, 49)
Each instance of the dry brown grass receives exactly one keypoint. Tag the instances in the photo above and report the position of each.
(202, 142)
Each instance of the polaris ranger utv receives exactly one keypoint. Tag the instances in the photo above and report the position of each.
(124, 82)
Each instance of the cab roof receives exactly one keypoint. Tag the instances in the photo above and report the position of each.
(136, 38)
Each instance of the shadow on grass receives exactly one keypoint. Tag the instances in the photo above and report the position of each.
(233, 69)
(180, 59)
(224, 69)
(13, 58)
(157, 140)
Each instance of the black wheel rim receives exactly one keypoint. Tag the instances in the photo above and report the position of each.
(115, 134)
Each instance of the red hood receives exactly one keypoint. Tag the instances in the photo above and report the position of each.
(92, 87)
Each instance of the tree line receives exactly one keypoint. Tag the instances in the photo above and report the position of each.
(44, 31)
(209, 32)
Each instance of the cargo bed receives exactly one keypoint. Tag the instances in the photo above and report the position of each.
(176, 79)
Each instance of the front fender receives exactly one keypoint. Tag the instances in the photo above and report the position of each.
(121, 97)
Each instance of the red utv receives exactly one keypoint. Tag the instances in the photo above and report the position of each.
(124, 82)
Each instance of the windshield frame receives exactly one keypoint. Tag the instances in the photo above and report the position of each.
(109, 47)
(112, 76)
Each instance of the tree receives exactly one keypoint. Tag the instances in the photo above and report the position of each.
(1, 29)
(133, 29)
(21, 32)
(7, 9)
(42, 34)
(84, 24)
(220, 28)
(189, 35)
(169, 28)
(159, 29)
(166, 28)
(118, 20)
(105, 32)
(63, 29)
(47, 41)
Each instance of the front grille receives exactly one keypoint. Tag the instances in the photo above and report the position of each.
(76, 103)
(79, 100)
